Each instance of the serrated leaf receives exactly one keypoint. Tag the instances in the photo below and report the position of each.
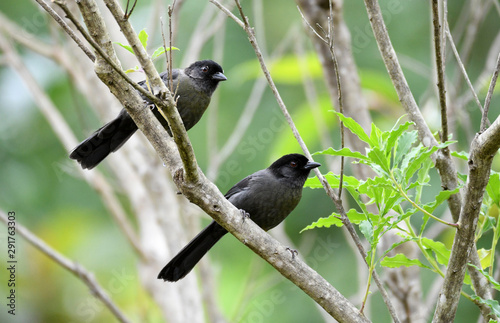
(401, 260)
(493, 282)
(376, 136)
(325, 222)
(460, 154)
(131, 70)
(161, 50)
(143, 38)
(355, 128)
(442, 253)
(127, 47)
(493, 187)
(493, 304)
(440, 198)
(404, 143)
(414, 165)
(378, 157)
(484, 257)
(367, 229)
(346, 152)
(333, 181)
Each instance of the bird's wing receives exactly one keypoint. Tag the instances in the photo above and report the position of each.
(239, 187)
(175, 75)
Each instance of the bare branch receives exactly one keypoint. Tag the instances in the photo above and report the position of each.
(462, 67)
(167, 103)
(483, 148)
(484, 119)
(66, 136)
(442, 159)
(440, 67)
(67, 29)
(76, 269)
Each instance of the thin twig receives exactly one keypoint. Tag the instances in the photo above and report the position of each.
(66, 136)
(228, 13)
(67, 29)
(166, 103)
(484, 119)
(76, 269)
(101, 52)
(462, 67)
(338, 203)
(440, 70)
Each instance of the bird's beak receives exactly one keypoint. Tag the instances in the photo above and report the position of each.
(311, 165)
(219, 76)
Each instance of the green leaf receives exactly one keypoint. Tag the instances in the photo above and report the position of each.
(131, 70)
(378, 157)
(440, 198)
(325, 222)
(346, 152)
(127, 47)
(333, 180)
(462, 155)
(376, 135)
(355, 128)
(414, 165)
(442, 253)
(422, 179)
(161, 50)
(484, 257)
(493, 187)
(405, 141)
(143, 38)
(367, 229)
(401, 260)
(493, 282)
(493, 304)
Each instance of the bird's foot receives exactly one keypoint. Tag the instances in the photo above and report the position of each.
(293, 252)
(244, 214)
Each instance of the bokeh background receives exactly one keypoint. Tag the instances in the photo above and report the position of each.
(50, 197)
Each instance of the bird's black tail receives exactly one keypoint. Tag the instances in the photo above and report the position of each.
(90, 152)
(188, 257)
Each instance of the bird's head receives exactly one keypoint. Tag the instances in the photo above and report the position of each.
(293, 166)
(206, 70)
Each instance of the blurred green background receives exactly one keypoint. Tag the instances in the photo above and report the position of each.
(36, 180)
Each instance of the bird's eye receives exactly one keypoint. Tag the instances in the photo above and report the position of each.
(204, 69)
(293, 164)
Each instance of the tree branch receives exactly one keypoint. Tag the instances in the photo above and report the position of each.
(483, 148)
(442, 159)
(76, 269)
(484, 119)
(68, 139)
(440, 67)
(204, 193)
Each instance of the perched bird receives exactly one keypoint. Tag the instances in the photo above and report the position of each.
(268, 196)
(193, 86)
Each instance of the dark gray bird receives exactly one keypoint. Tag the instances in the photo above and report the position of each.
(194, 87)
(268, 196)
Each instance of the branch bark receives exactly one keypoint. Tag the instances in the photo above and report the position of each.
(81, 273)
(442, 159)
(197, 188)
(483, 149)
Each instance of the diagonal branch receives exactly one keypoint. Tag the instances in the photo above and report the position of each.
(338, 203)
(63, 131)
(440, 67)
(484, 119)
(167, 103)
(76, 269)
(205, 194)
(441, 158)
(483, 148)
